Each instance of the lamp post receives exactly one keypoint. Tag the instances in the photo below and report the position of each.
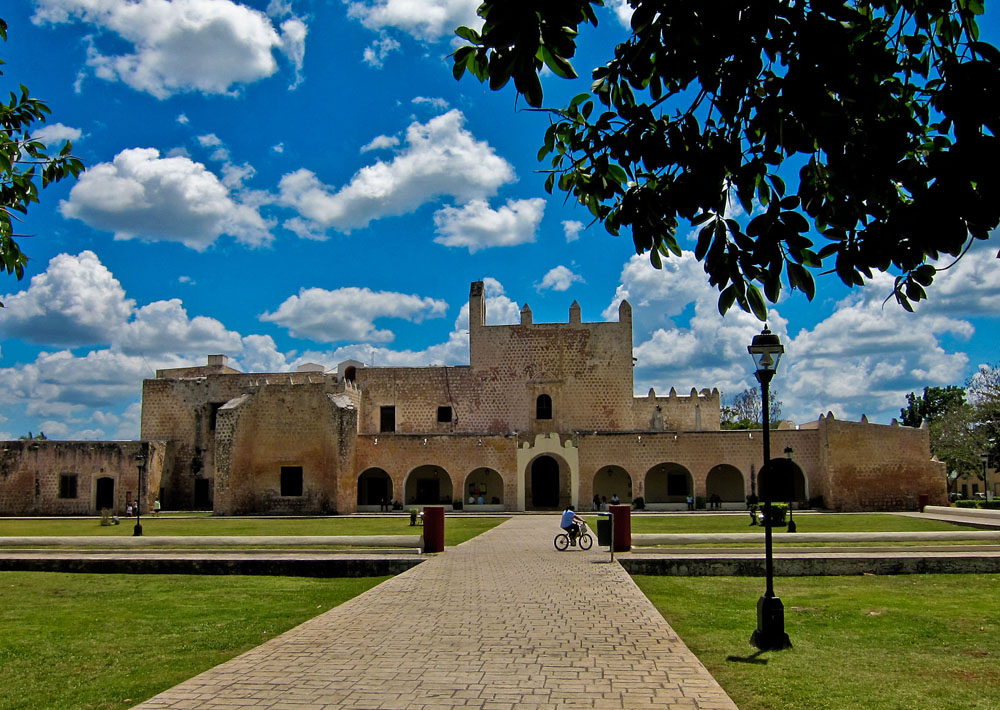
(766, 350)
(791, 495)
(140, 463)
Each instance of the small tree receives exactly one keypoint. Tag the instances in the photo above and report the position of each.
(23, 163)
(744, 410)
(932, 404)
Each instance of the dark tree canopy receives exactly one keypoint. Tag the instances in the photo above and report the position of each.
(23, 163)
(885, 108)
(931, 405)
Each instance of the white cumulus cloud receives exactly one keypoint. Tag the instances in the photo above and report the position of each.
(211, 46)
(559, 278)
(350, 313)
(55, 134)
(440, 158)
(427, 20)
(141, 195)
(478, 226)
(572, 228)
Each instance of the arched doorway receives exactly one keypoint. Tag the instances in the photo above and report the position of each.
(374, 487)
(543, 484)
(726, 482)
(486, 484)
(790, 486)
(610, 481)
(668, 483)
(428, 485)
(104, 496)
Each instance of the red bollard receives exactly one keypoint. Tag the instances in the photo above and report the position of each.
(433, 528)
(621, 515)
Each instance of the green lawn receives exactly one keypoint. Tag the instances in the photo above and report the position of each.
(825, 522)
(456, 530)
(104, 642)
(859, 643)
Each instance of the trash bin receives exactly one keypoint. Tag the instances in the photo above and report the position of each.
(604, 530)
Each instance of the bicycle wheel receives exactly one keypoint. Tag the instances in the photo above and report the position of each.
(585, 541)
(561, 541)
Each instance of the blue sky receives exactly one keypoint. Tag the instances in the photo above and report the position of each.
(304, 181)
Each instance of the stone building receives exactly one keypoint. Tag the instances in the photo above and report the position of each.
(542, 416)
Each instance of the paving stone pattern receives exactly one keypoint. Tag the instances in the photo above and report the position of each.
(499, 622)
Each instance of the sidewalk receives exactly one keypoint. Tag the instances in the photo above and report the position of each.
(499, 622)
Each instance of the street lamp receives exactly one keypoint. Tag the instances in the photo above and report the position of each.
(766, 351)
(140, 463)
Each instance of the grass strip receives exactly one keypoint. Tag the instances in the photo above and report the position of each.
(456, 530)
(105, 642)
(892, 643)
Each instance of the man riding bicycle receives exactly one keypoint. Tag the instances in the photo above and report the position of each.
(571, 523)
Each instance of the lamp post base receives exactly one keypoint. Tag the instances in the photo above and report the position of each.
(770, 633)
(137, 531)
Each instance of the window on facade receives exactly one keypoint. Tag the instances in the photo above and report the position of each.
(213, 411)
(543, 407)
(387, 421)
(444, 414)
(67, 485)
(291, 480)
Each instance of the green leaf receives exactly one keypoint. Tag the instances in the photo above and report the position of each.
(469, 34)
(557, 64)
(756, 302)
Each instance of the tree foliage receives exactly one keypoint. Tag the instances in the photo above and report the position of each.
(984, 393)
(744, 410)
(931, 405)
(24, 164)
(886, 108)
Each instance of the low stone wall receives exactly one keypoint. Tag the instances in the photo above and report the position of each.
(812, 566)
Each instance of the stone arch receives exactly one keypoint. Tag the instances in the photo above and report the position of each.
(428, 485)
(668, 482)
(790, 486)
(546, 483)
(727, 482)
(350, 373)
(611, 480)
(485, 482)
(374, 486)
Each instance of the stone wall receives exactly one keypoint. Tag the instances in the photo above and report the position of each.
(294, 426)
(32, 473)
(878, 467)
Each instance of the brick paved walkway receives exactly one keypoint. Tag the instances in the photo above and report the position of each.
(499, 622)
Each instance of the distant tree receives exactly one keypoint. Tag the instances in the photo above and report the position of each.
(41, 437)
(23, 163)
(932, 404)
(744, 410)
(984, 393)
(886, 110)
(957, 440)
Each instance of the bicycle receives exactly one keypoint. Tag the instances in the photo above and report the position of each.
(583, 538)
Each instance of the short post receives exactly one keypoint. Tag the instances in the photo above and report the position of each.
(622, 527)
(433, 528)
(140, 462)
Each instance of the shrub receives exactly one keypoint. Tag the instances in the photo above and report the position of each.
(779, 511)
(992, 504)
(699, 502)
(456, 504)
(639, 503)
(966, 504)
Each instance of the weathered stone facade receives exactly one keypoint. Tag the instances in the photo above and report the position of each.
(544, 415)
(79, 477)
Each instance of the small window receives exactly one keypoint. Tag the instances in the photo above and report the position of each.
(67, 485)
(444, 414)
(213, 411)
(543, 407)
(291, 481)
(388, 419)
